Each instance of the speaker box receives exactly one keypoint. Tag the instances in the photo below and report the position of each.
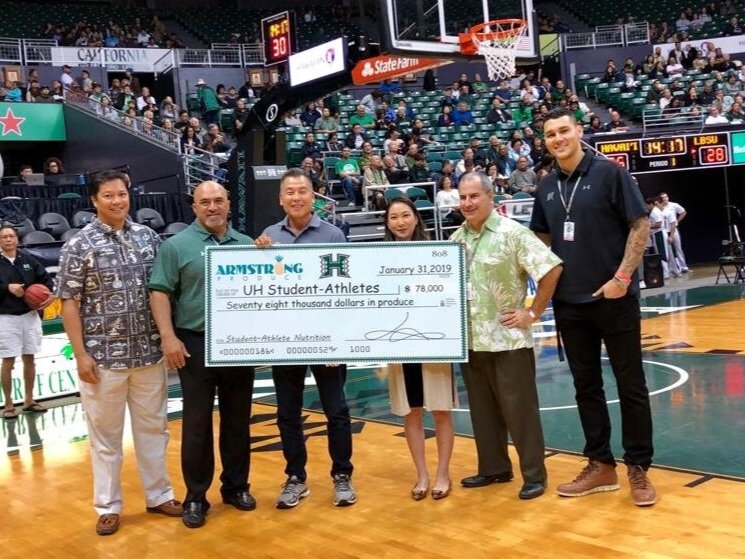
(653, 275)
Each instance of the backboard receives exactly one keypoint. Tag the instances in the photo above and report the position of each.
(431, 27)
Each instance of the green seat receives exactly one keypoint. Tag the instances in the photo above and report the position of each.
(392, 193)
(415, 193)
(521, 196)
(499, 198)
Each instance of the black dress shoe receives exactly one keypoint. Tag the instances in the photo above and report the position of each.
(242, 500)
(480, 481)
(194, 514)
(531, 490)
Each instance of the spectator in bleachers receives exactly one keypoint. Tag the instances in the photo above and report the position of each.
(309, 116)
(349, 173)
(419, 134)
(356, 137)
(503, 91)
(183, 120)
(400, 118)
(105, 110)
(394, 142)
(708, 95)
(648, 65)
(448, 170)
(374, 175)
(462, 115)
(393, 150)
(682, 23)
(463, 81)
(478, 85)
(310, 147)
(523, 178)
(445, 118)
(419, 172)
(214, 140)
(504, 162)
(189, 140)
(371, 101)
(366, 156)
(466, 164)
(518, 149)
(465, 95)
(126, 96)
(246, 91)
(333, 144)
(145, 101)
(362, 118)
(291, 120)
(53, 166)
(208, 103)
(715, 117)
(674, 68)
(736, 114)
(33, 93)
(388, 88)
(66, 79)
(616, 124)
(411, 151)
(734, 27)
(666, 99)
(447, 201)
(732, 86)
(674, 108)
(492, 152)
(497, 113)
(479, 153)
(448, 98)
(327, 123)
(692, 98)
(12, 93)
(595, 125)
(394, 174)
(307, 165)
(524, 112)
(537, 149)
(24, 172)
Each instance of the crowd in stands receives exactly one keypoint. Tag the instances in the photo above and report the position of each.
(85, 34)
(689, 21)
(685, 81)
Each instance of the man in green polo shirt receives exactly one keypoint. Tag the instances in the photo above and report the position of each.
(500, 373)
(363, 118)
(178, 284)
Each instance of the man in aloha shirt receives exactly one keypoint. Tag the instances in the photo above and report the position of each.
(500, 373)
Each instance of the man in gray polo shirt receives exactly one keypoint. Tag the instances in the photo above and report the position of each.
(300, 225)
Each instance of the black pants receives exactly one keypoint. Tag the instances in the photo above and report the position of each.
(617, 323)
(234, 388)
(289, 381)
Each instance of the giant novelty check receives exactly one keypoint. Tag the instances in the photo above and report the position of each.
(345, 303)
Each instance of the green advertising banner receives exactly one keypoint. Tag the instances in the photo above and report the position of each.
(32, 122)
(738, 147)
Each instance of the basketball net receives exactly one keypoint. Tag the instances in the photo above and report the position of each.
(497, 42)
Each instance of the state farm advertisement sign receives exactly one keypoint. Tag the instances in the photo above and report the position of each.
(386, 67)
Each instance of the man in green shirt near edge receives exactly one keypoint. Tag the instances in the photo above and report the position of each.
(500, 373)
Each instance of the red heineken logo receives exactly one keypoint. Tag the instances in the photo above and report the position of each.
(11, 123)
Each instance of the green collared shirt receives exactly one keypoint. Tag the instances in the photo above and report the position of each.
(500, 258)
(179, 271)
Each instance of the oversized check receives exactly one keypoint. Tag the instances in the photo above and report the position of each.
(340, 303)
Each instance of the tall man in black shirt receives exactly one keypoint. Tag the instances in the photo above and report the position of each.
(592, 214)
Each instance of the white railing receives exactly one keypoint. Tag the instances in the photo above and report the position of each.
(164, 64)
(10, 51)
(38, 50)
(209, 57)
(607, 36)
(201, 165)
(138, 126)
(654, 119)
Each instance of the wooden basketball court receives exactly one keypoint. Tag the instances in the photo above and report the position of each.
(695, 353)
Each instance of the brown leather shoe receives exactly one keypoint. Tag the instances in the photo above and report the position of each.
(107, 524)
(594, 478)
(169, 508)
(642, 491)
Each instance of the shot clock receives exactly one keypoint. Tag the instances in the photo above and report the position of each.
(277, 33)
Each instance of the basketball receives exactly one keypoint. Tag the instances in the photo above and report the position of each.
(37, 296)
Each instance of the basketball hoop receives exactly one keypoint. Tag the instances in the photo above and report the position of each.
(497, 42)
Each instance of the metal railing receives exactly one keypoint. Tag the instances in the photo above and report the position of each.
(653, 120)
(202, 165)
(38, 50)
(607, 36)
(209, 57)
(252, 54)
(10, 51)
(138, 126)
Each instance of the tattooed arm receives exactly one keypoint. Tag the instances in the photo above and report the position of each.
(635, 244)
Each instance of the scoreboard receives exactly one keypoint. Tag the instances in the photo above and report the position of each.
(676, 153)
(277, 35)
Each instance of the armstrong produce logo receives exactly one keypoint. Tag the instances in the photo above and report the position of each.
(386, 67)
(279, 268)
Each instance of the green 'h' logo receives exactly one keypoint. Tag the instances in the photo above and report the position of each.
(329, 266)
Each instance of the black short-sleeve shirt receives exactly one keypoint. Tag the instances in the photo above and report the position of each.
(607, 200)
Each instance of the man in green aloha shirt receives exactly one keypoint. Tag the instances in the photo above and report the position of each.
(500, 373)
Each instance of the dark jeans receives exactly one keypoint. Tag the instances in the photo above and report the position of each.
(234, 388)
(617, 323)
(289, 381)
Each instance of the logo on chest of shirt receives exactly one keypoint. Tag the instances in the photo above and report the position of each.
(586, 186)
(549, 196)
